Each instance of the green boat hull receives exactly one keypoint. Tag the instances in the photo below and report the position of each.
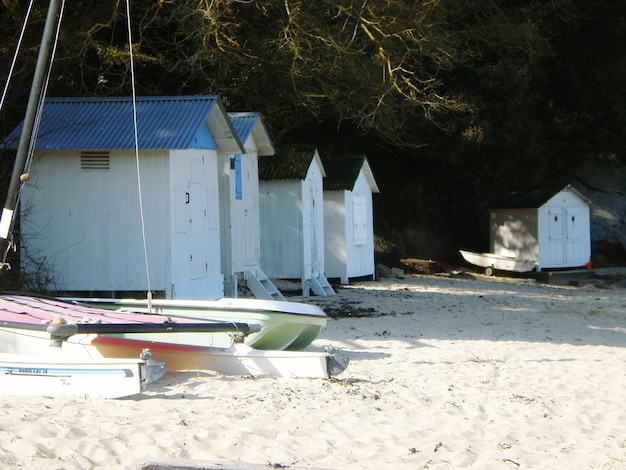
(284, 325)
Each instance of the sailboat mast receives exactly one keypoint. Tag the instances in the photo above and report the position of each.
(41, 68)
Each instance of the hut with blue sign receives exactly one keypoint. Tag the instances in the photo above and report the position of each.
(81, 217)
(239, 209)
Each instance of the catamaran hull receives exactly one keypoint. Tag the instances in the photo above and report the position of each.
(284, 325)
(28, 325)
(29, 365)
(238, 359)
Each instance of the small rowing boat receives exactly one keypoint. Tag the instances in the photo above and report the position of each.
(492, 262)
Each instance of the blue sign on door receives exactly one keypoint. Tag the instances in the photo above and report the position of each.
(238, 186)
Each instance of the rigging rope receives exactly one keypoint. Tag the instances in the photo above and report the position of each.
(17, 49)
(136, 133)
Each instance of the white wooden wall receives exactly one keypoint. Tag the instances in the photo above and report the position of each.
(281, 228)
(514, 233)
(292, 226)
(87, 225)
(336, 234)
(312, 223)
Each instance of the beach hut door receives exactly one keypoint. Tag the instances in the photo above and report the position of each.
(191, 221)
(359, 218)
(556, 237)
(573, 234)
(315, 265)
(565, 235)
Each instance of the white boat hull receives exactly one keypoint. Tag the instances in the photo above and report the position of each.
(237, 359)
(491, 262)
(30, 375)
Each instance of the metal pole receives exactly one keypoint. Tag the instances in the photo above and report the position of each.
(41, 69)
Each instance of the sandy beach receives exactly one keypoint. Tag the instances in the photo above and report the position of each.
(446, 372)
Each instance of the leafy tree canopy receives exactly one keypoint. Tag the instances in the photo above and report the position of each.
(501, 93)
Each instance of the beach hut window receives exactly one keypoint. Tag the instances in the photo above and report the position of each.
(236, 162)
(94, 160)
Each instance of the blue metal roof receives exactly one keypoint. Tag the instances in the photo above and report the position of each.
(243, 123)
(252, 124)
(164, 122)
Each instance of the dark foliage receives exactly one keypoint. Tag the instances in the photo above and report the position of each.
(452, 101)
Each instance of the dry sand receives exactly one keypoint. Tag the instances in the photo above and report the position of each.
(445, 373)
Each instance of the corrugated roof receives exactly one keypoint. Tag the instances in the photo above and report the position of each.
(165, 122)
(342, 173)
(243, 123)
(252, 123)
(289, 162)
(531, 199)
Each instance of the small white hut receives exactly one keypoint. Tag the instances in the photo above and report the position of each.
(80, 214)
(292, 217)
(239, 209)
(349, 218)
(550, 226)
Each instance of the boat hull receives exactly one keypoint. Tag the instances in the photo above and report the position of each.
(238, 359)
(284, 325)
(95, 378)
(234, 359)
(491, 262)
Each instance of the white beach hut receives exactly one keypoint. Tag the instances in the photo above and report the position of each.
(549, 226)
(349, 218)
(292, 217)
(239, 209)
(80, 214)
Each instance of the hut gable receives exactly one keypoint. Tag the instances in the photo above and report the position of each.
(252, 125)
(342, 173)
